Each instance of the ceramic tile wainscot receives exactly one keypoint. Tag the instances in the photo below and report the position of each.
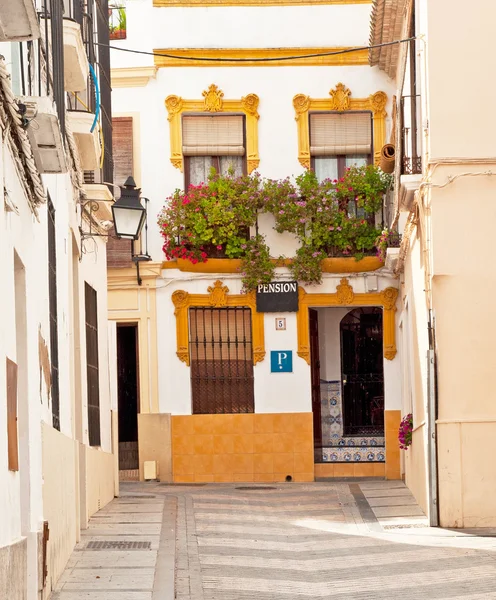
(247, 447)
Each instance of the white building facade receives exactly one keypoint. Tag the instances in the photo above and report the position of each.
(295, 429)
(57, 466)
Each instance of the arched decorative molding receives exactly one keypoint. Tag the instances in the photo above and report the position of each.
(340, 100)
(218, 297)
(345, 296)
(214, 102)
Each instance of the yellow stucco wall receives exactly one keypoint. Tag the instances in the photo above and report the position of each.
(248, 447)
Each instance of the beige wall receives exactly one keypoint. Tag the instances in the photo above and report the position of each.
(154, 436)
(464, 288)
(100, 469)
(461, 52)
(59, 455)
(130, 303)
(415, 345)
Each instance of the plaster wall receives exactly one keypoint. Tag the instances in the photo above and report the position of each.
(467, 402)
(468, 42)
(100, 479)
(239, 27)
(59, 498)
(414, 335)
(45, 488)
(274, 392)
(278, 146)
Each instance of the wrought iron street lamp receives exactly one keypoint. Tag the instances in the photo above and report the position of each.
(128, 212)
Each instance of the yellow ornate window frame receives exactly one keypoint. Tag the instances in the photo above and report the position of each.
(345, 296)
(217, 297)
(214, 102)
(340, 100)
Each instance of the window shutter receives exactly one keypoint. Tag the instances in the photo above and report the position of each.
(119, 251)
(12, 443)
(340, 133)
(213, 135)
(122, 150)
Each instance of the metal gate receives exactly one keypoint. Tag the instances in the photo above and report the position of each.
(362, 372)
(221, 360)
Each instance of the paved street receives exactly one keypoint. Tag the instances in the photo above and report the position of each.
(295, 541)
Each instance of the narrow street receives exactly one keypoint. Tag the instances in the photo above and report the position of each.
(238, 542)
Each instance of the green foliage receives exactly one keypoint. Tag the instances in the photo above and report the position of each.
(329, 218)
(257, 266)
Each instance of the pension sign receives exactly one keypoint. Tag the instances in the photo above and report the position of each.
(277, 296)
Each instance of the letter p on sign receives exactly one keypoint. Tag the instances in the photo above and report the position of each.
(281, 361)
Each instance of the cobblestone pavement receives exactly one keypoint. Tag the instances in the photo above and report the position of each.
(281, 542)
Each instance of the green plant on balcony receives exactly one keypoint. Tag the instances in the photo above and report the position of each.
(117, 22)
(330, 218)
(212, 219)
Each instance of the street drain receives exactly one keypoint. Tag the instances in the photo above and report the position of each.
(405, 526)
(255, 488)
(183, 484)
(125, 497)
(123, 545)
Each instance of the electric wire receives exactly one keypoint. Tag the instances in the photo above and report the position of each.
(258, 60)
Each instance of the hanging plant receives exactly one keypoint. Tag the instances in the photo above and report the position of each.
(329, 218)
(405, 432)
(257, 266)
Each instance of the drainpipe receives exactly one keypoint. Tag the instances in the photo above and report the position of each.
(431, 425)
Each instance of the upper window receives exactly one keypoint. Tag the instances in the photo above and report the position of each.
(213, 141)
(338, 141)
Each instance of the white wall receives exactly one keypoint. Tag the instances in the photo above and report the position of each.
(239, 27)
(279, 392)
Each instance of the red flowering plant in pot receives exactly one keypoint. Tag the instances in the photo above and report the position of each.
(213, 220)
(405, 432)
(210, 220)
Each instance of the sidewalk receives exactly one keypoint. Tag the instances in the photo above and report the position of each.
(339, 541)
(117, 556)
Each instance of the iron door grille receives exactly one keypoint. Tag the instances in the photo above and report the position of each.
(92, 365)
(52, 303)
(221, 360)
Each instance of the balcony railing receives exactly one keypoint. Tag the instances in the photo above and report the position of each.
(411, 159)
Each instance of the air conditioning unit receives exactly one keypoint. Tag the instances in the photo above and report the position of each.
(43, 129)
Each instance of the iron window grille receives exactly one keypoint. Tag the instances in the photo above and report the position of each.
(221, 350)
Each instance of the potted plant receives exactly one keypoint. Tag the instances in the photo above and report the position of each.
(405, 432)
(117, 22)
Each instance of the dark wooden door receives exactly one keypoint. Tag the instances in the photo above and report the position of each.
(315, 375)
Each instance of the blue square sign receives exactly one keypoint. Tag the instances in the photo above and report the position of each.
(281, 361)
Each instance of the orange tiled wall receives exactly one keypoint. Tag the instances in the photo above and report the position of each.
(251, 448)
(392, 419)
